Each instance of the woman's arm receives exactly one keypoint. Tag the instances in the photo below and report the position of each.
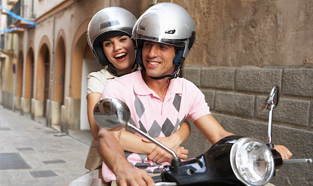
(133, 143)
(92, 100)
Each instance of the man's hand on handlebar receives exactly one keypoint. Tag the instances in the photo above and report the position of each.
(283, 151)
(131, 176)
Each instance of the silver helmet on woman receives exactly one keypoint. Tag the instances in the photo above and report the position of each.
(106, 23)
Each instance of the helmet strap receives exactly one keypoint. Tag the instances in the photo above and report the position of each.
(111, 68)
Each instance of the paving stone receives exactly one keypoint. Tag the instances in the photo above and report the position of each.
(10, 161)
(5, 128)
(62, 159)
(41, 174)
(25, 149)
(54, 161)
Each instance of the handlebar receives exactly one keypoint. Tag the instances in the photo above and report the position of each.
(165, 184)
(289, 161)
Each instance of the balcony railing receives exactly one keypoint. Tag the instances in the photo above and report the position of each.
(17, 10)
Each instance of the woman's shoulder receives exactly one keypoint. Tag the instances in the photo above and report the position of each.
(102, 75)
(103, 72)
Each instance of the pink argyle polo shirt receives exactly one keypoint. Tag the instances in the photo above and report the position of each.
(153, 116)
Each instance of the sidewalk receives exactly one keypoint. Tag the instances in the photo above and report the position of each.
(32, 155)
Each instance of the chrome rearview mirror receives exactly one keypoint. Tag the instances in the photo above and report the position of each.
(113, 114)
(270, 103)
(272, 99)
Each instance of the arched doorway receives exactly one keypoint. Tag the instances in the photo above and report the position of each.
(58, 81)
(19, 81)
(77, 74)
(83, 64)
(28, 81)
(42, 81)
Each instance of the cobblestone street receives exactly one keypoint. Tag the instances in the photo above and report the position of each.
(33, 154)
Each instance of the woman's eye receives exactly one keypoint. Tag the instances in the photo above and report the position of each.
(123, 39)
(106, 44)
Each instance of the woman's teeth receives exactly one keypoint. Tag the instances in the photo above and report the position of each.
(119, 56)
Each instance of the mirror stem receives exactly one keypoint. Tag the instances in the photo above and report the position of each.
(153, 140)
(270, 127)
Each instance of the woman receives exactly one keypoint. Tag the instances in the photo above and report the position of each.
(109, 38)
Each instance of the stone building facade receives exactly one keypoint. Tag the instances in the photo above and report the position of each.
(242, 49)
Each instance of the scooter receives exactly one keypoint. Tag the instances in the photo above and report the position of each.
(234, 160)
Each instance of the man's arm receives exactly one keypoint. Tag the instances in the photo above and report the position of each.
(213, 132)
(134, 143)
(113, 156)
(211, 129)
(173, 142)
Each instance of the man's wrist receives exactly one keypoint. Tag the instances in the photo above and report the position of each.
(121, 165)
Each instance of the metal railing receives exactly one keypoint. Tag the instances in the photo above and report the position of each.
(17, 10)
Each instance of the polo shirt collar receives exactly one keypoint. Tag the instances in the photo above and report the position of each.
(141, 88)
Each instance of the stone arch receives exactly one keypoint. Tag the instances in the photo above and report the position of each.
(19, 75)
(58, 79)
(43, 77)
(29, 74)
(28, 81)
(59, 69)
(79, 47)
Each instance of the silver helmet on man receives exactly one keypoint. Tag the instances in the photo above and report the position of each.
(166, 23)
(108, 22)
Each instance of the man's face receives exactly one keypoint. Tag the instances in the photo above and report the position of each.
(158, 59)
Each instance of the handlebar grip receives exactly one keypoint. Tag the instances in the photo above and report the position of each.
(289, 161)
(166, 184)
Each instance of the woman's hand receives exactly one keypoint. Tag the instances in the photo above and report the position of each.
(159, 155)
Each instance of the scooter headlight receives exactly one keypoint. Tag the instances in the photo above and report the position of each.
(252, 161)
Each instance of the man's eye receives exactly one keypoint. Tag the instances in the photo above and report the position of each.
(163, 47)
(147, 44)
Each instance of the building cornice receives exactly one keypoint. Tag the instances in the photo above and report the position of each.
(55, 10)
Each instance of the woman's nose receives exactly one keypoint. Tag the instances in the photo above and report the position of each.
(116, 46)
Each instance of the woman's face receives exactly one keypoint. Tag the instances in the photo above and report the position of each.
(120, 51)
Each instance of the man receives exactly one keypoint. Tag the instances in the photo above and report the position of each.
(158, 100)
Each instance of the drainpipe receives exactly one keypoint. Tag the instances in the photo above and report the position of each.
(51, 76)
(32, 14)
